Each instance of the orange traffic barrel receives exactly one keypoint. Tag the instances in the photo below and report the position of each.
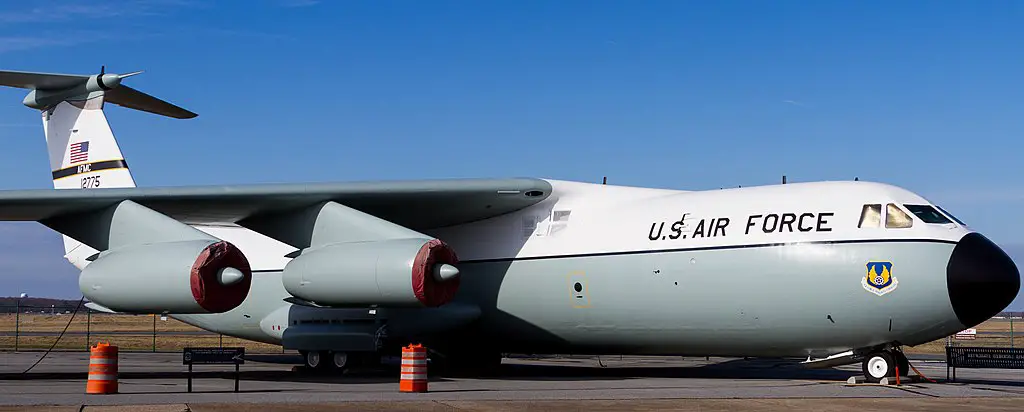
(102, 369)
(414, 369)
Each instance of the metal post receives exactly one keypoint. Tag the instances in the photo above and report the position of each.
(17, 325)
(154, 332)
(1011, 329)
(88, 328)
(221, 340)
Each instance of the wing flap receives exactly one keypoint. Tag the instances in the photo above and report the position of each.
(418, 204)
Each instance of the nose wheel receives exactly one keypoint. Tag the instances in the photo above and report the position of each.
(884, 364)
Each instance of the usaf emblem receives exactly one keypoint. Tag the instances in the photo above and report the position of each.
(879, 279)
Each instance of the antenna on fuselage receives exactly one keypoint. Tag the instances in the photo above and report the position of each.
(604, 180)
(783, 179)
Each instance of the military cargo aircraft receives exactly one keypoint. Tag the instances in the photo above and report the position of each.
(824, 272)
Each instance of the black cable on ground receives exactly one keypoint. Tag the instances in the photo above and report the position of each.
(59, 337)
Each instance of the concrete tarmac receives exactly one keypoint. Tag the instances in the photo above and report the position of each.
(572, 383)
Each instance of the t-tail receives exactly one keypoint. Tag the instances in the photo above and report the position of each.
(81, 146)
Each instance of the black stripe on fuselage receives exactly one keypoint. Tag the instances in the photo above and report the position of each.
(89, 167)
(689, 249)
(705, 248)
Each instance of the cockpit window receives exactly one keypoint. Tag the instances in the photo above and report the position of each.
(951, 216)
(870, 216)
(927, 214)
(896, 217)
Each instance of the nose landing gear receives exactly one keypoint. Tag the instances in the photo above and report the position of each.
(884, 364)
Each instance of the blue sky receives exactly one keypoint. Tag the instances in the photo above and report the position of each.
(689, 95)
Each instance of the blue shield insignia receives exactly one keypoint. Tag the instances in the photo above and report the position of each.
(879, 278)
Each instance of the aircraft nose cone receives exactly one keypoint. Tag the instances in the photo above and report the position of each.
(229, 276)
(445, 272)
(982, 280)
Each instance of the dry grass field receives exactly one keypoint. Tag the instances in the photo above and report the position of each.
(1003, 327)
(169, 335)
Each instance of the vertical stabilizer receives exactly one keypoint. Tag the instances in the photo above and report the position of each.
(83, 152)
(83, 155)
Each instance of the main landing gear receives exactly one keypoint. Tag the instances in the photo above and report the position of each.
(884, 363)
(331, 361)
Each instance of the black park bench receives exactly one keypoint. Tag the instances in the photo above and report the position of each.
(982, 357)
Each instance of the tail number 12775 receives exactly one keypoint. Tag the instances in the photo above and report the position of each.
(90, 182)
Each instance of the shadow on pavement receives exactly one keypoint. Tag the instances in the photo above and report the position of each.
(537, 370)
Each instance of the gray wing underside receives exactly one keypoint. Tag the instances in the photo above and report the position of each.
(418, 204)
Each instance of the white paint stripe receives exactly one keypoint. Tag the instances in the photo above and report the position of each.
(413, 370)
(414, 376)
(96, 361)
(414, 361)
(98, 377)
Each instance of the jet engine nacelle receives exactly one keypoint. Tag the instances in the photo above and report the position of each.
(191, 276)
(411, 272)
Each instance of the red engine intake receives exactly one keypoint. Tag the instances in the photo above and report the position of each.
(430, 291)
(207, 289)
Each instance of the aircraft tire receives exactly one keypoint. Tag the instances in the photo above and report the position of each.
(316, 360)
(340, 361)
(879, 365)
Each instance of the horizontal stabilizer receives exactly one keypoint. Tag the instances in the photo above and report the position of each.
(125, 96)
(49, 89)
(40, 81)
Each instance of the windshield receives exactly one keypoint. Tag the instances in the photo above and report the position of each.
(951, 216)
(927, 214)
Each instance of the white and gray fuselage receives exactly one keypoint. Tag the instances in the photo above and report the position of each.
(777, 270)
(810, 269)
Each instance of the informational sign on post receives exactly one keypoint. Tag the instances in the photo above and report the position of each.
(213, 356)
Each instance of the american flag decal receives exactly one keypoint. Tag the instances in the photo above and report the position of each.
(79, 152)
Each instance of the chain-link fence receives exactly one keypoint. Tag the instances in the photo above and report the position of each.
(37, 328)
(1003, 330)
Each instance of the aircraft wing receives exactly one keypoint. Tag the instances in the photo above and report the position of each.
(418, 204)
